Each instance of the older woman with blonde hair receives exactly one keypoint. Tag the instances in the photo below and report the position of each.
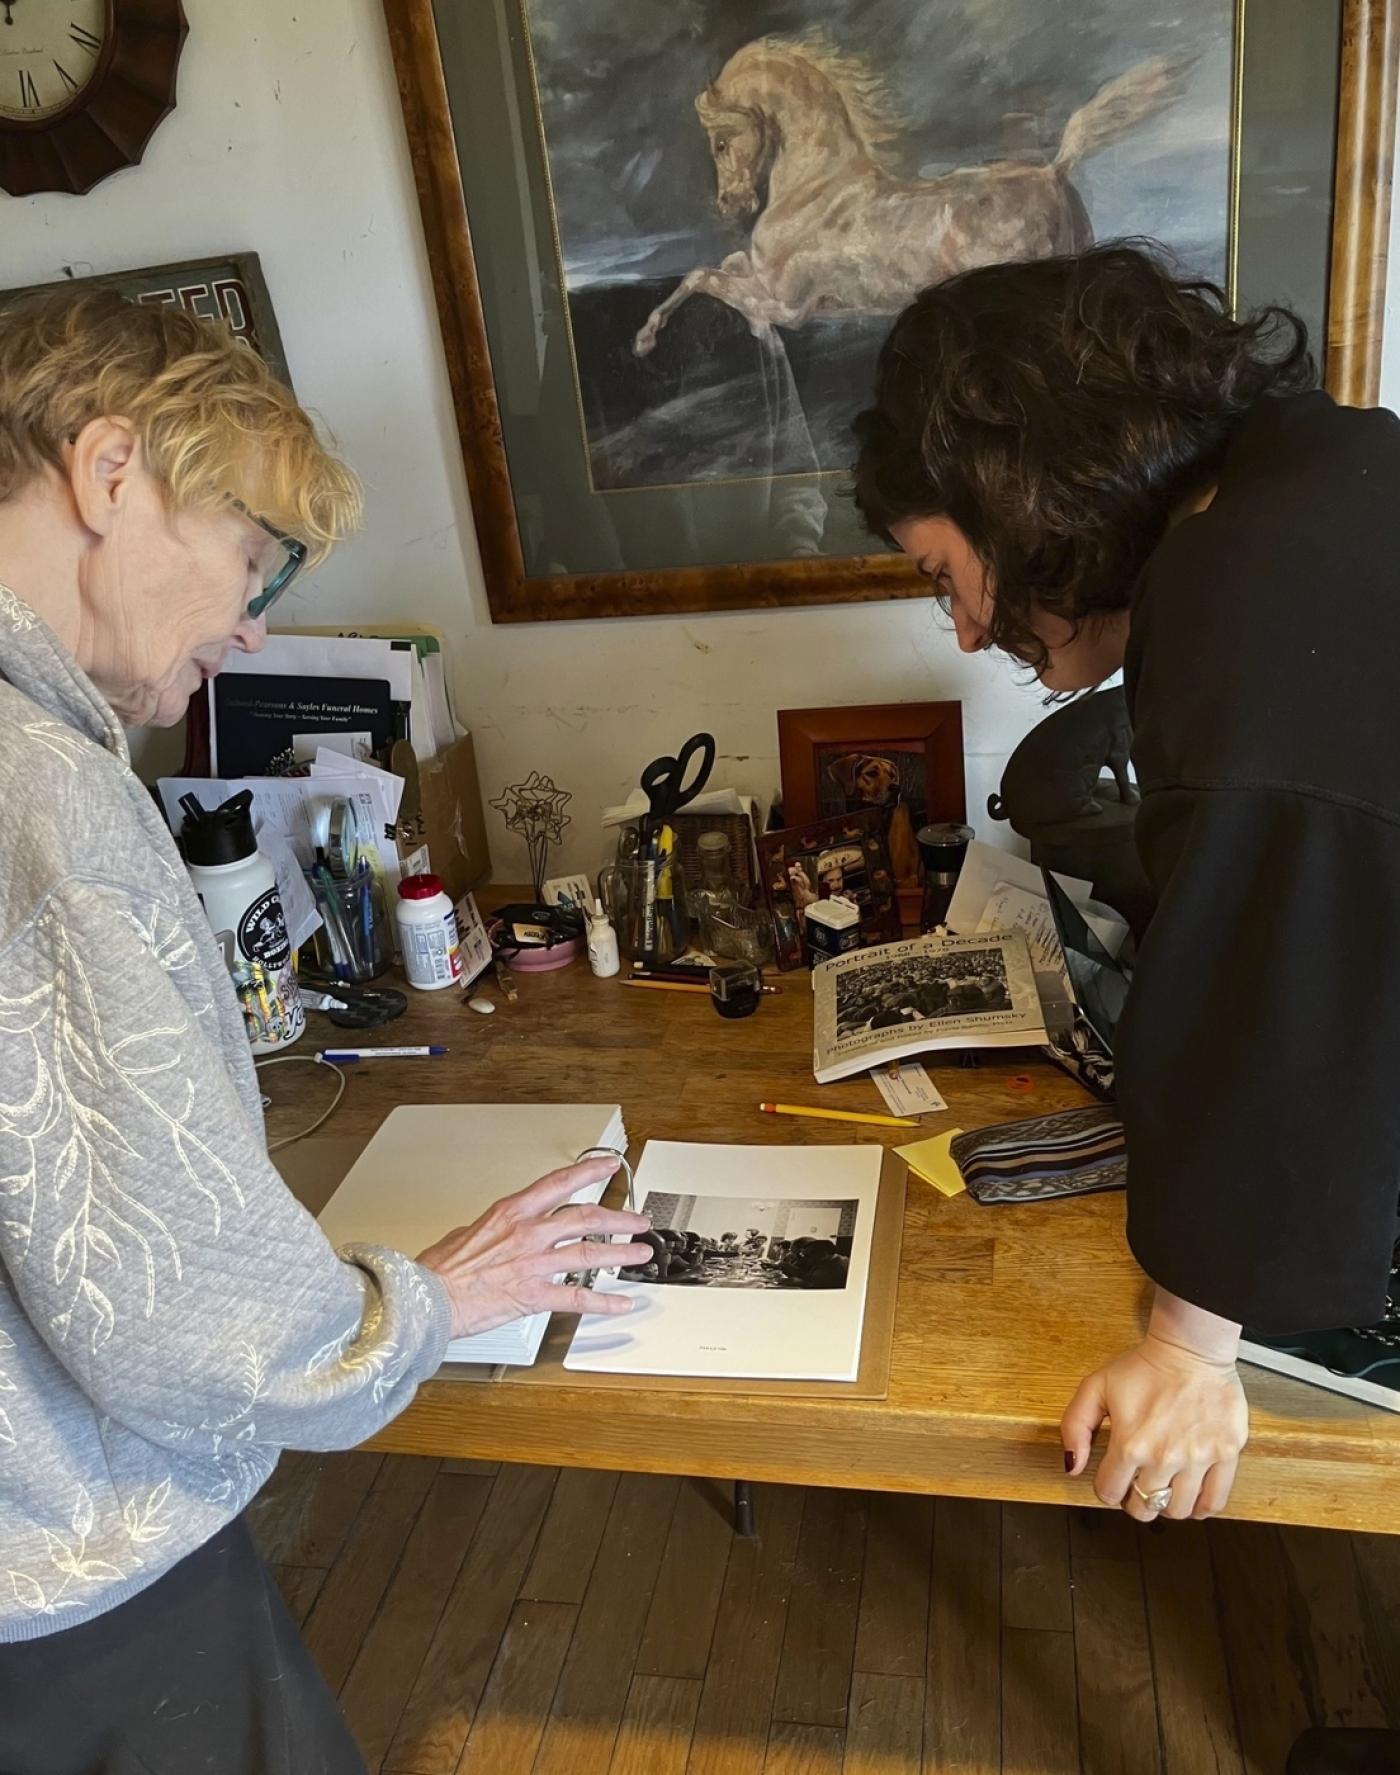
(170, 1319)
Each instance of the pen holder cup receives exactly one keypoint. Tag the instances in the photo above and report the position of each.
(355, 942)
(648, 906)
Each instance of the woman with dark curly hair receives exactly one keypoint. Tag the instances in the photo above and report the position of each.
(1096, 467)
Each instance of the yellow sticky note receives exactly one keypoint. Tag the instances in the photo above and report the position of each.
(932, 1160)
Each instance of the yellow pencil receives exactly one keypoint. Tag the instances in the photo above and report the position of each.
(837, 1115)
(666, 986)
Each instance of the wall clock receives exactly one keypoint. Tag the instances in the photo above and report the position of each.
(83, 84)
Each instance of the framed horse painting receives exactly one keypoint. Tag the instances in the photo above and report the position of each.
(667, 239)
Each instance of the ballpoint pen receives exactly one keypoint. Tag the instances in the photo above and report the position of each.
(347, 1056)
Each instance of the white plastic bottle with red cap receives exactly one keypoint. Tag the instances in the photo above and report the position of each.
(432, 955)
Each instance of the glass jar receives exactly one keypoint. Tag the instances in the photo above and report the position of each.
(729, 930)
(646, 901)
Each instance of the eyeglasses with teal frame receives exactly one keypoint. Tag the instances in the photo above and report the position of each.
(293, 558)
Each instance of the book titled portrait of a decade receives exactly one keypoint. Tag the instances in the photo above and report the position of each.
(692, 222)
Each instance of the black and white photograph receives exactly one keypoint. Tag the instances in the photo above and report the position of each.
(728, 1242)
(922, 988)
(896, 1000)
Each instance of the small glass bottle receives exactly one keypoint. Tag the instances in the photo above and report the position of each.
(603, 955)
(941, 851)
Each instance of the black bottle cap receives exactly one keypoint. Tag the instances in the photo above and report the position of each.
(943, 846)
(219, 835)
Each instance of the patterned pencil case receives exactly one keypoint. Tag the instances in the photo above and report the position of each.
(1074, 1153)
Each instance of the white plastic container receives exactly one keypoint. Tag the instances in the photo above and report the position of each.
(603, 956)
(238, 890)
(432, 955)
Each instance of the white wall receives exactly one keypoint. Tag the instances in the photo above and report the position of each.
(288, 141)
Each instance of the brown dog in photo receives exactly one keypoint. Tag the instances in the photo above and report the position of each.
(869, 781)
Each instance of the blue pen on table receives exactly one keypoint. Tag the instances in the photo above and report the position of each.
(347, 1056)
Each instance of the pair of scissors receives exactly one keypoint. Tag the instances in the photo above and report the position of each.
(668, 784)
(664, 781)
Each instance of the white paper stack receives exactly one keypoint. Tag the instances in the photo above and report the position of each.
(433, 1167)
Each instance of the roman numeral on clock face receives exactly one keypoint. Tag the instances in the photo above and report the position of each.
(84, 38)
(28, 92)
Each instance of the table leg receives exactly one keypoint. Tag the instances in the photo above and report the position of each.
(744, 1524)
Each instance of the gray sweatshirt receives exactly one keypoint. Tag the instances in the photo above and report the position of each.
(170, 1318)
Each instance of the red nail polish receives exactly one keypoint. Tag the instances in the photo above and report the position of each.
(1069, 1462)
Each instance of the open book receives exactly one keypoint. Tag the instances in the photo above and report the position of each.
(433, 1167)
(930, 992)
(762, 1257)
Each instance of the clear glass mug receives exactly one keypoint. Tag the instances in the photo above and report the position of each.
(648, 905)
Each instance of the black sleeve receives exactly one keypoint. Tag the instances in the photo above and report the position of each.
(1258, 1061)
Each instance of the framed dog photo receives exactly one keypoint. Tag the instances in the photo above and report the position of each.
(803, 864)
(904, 759)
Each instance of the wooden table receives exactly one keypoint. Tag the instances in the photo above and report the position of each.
(1000, 1314)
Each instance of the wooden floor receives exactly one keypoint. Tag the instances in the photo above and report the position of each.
(522, 1621)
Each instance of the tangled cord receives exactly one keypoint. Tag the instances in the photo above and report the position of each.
(326, 1114)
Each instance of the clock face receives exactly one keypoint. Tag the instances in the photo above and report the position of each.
(49, 53)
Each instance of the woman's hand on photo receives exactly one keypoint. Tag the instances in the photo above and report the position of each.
(1178, 1417)
(504, 1265)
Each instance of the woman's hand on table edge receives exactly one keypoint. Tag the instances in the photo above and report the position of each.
(503, 1266)
(1178, 1416)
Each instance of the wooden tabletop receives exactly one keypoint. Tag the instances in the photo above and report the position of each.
(1000, 1314)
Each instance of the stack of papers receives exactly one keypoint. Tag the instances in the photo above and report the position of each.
(434, 1167)
(284, 809)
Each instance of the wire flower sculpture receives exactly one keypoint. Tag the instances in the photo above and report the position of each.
(535, 810)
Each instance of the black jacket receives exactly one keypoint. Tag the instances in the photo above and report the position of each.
(1258, 1061)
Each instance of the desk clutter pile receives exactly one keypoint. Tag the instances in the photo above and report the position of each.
(331, 817)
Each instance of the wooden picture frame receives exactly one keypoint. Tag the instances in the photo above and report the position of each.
(1355, 281)
(804, 849)
(919, 746)
(230, 288)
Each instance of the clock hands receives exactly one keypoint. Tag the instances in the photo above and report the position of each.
(9, 6)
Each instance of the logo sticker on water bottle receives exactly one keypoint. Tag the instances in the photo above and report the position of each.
(262, 934)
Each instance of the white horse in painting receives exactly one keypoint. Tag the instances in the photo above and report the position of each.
(842, 234)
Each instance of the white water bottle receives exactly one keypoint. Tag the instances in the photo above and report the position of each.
(603, 955)
(238, 889)
(432, 954)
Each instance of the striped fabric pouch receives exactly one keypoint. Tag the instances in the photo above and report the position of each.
(1074, 1153)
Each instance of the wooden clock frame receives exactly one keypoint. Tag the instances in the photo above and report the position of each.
(107, 125)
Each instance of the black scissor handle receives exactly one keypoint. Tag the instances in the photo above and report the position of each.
(664, 779)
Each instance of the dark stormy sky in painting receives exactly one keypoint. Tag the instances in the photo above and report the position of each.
(633, 181)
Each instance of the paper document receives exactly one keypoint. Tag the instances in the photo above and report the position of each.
(901, 999)
(350, 745)
(433, 1167)
(933, 1161)
(713, 801)
(330, 656)
(762, 1265)
(907, 1089)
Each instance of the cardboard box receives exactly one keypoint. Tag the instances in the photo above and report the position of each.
(442, 811)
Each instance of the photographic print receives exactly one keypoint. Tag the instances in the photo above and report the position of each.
(745, 194)
(846, 856)
(922, 989)
(727, 1242)
(891, 778)
(904, 759)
